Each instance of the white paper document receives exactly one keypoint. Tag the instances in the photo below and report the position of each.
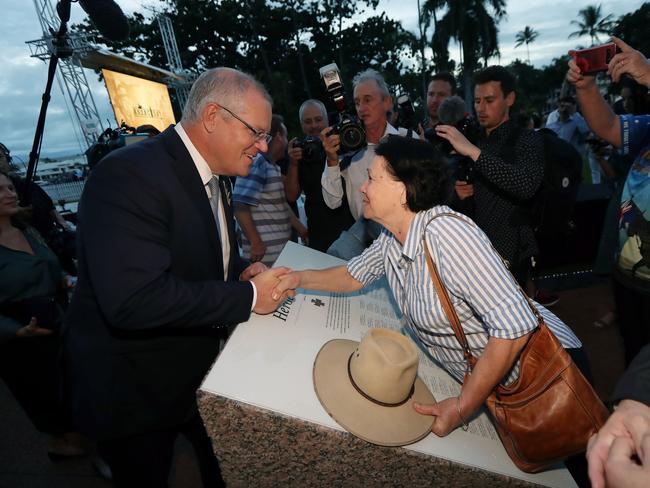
(268, 363)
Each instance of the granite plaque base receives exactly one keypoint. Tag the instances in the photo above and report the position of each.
(261, 448)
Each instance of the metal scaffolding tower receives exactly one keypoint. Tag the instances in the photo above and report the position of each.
(71, 75)
(174, 61)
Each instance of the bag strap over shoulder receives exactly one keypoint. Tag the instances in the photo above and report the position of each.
(447, 306)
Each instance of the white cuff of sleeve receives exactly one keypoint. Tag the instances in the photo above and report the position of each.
(333, 172)
(254, 295)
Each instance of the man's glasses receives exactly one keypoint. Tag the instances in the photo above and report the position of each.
(259, 135)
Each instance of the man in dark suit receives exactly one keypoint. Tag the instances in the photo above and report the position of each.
(160, 277)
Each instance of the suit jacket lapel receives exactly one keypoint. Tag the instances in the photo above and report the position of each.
(191, 182)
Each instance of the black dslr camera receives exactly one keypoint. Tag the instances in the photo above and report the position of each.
(348, 127)
(406, 113)
(452, 111)
(312, 150)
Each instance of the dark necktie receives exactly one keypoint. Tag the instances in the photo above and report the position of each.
(226, 198)
(214, 186)
(217, 189)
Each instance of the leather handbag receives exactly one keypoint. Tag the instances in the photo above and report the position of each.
(550, 411)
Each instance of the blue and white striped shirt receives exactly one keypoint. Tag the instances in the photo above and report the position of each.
(486, 297)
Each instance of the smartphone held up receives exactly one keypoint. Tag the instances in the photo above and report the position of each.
(594, 59)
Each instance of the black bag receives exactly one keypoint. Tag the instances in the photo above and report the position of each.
(552, 206)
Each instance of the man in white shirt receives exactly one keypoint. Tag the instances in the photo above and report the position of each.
(344, 174)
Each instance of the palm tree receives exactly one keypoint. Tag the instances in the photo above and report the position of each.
(473, 25)
(592, 23)
(526, 36)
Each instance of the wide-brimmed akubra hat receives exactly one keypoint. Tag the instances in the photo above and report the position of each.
(369, 387)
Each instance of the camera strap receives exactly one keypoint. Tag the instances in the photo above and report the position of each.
(346, 160)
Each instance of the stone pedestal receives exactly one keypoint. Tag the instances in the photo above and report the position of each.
(261, 448)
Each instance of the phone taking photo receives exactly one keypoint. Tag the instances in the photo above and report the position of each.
(594, 59)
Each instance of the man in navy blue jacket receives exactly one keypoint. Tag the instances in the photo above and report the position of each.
(160, 277)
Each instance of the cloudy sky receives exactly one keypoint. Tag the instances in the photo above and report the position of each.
(23, 78)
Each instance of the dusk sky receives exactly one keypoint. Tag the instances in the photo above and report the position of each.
(23, 78)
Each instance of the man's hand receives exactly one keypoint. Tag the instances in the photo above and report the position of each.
(258, 250)
(463, 189)
(630, 62)
(445, 414)
(420, 131)
(331, 144)
(252, 271)
(265, 284)
(303, 233)
(461, 145)
(294, 152)
(32, 330)
(630, 422)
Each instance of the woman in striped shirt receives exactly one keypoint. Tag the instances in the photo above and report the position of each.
(406, 188)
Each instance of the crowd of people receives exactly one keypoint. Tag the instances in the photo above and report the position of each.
(161, 279)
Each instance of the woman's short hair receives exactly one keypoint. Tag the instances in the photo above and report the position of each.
(421, 167)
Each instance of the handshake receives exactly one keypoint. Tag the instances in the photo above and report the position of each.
(273, 285)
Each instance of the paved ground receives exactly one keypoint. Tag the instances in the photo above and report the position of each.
(24, 463)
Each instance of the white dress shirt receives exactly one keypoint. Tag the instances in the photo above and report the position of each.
(206, 175)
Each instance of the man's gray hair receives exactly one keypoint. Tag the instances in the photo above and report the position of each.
(223, 86)
(374, 75)
(312, 102)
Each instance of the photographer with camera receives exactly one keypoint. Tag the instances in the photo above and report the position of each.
(508, 170)
(306, 162)
(441, 87)
(347, 164)
(453, 112)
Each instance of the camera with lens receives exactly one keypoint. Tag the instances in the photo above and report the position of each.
(464, 168)
(452, 111)
(112, 139)
(312, 150)
(406, 113)
(348, 127)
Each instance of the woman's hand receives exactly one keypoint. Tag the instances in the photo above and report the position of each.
(288, 283)
(446, 415)
(32, 330)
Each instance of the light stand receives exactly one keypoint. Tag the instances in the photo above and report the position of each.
(61, 50)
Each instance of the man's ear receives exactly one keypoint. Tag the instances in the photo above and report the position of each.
(388, 102)
(211, 117)
(510, 99)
